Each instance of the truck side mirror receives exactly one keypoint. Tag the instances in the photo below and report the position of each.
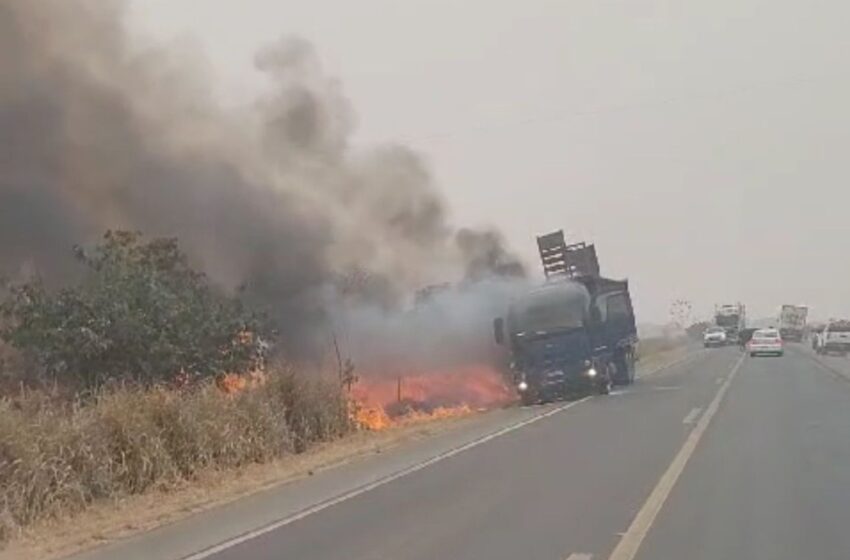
(499, 330)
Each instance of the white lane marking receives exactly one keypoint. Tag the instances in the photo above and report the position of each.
(692, 416)
(215, 549)
(579, 556)
(629, 545)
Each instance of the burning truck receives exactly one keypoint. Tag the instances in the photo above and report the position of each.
(575, 333)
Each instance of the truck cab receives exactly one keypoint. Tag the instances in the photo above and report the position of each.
(570, 336)
(732, 317)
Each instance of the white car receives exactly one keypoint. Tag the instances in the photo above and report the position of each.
(714, 336)
(835, 338)
(766, 342)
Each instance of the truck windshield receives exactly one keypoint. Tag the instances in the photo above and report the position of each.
(548, 316)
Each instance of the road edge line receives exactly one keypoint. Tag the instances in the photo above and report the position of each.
(632, 539)
(353, 493)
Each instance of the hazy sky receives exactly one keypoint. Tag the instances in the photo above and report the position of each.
(701, 145)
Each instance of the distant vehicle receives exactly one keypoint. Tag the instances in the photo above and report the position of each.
(792, 322)
(575, 333)
(766, 342)
(714, 337)
(745, 336)
(733, 318)
(834, 339)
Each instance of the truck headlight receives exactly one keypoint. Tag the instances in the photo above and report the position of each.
(591, 372)
(522, 386)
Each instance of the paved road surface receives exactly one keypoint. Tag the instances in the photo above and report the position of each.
(720, 457)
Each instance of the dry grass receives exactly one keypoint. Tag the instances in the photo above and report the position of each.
(57, 458)
(109, 520)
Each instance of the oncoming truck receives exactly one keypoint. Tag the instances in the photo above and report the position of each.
(575, 333)
(792, 322)
(733, 318)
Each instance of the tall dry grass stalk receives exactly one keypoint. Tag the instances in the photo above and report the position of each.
(57, 457)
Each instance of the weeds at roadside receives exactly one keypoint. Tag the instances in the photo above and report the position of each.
(57, 457)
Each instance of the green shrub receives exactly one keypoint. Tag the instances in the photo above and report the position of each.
(139, 313)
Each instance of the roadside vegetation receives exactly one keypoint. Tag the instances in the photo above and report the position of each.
(132, 380)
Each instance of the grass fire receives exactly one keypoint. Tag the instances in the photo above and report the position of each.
(384, 401)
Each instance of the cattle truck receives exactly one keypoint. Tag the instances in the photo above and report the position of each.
(792, 322)
(574, 333)
(733, 318)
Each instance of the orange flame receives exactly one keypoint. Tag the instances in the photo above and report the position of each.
(384, 401)
(233, 383)
(371, 417)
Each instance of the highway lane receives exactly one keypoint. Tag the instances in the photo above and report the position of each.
(771, 479)
(569, 484)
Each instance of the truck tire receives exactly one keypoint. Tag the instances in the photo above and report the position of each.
(624, 369)
(605, 382)
(631, 367)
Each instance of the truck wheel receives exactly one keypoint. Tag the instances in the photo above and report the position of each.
(629, 364)
(605, 381)
(624, 369)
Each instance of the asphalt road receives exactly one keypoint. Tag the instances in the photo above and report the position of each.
(720, 457)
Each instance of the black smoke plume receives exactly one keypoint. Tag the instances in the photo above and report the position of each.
(98, 132)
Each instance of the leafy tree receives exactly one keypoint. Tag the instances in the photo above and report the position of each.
(139, 313)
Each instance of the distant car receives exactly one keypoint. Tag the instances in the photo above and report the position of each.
(834, 339)
(714, 336)
(766, 342)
